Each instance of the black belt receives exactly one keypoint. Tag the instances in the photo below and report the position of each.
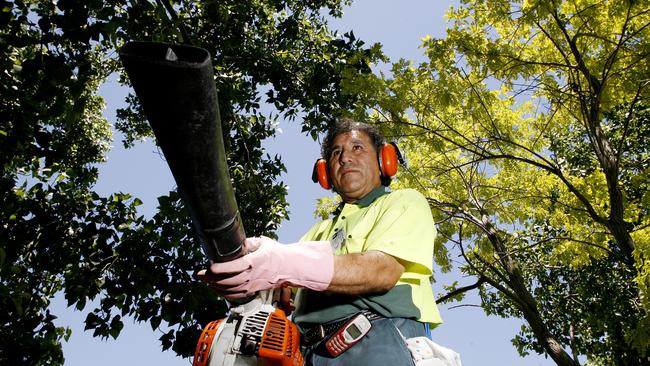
(317, 332)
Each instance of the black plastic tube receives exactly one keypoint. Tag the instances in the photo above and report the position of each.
(175, 86)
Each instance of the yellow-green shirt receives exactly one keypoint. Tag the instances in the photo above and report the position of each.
(397, 223)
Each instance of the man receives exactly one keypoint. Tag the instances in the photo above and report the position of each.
(373, 257)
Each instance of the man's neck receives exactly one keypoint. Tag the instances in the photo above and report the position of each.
(369, 197)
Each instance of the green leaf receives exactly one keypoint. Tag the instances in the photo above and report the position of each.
(155, 322)
(116, 326)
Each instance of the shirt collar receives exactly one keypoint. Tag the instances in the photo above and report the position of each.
(366, 200)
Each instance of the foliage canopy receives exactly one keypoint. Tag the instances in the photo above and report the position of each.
(58, 235)
(527, 129)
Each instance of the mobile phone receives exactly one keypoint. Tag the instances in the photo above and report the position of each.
(348, 335)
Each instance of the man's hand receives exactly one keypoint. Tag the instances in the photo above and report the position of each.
(272, 265)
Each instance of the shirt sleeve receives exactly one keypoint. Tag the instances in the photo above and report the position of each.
(405, 230)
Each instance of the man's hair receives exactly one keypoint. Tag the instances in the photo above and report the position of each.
(345, 125)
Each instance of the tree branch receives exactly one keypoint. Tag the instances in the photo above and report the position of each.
(174, 17)
(481, 280)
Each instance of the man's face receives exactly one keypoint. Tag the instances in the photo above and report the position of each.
(353, 165)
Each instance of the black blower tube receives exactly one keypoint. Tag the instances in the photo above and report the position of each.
(176, 88)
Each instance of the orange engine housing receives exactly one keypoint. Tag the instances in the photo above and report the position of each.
(279, 344)
(204, 344)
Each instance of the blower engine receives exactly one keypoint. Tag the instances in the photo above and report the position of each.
(255, 333)
(175, 86)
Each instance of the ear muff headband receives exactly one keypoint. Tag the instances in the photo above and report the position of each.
(389, 158)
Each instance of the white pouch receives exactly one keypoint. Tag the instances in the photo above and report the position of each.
(426, 352)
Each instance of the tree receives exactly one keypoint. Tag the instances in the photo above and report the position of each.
(59, 235)
(526, 130)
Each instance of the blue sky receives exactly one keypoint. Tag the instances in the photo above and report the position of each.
(398, 26)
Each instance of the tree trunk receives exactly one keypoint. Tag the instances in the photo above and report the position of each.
(607, 158)
(526, 300)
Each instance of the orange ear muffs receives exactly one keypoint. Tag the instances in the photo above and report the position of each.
(389, 158)
(320, 174)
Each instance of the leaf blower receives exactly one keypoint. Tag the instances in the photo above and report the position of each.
(176, 89)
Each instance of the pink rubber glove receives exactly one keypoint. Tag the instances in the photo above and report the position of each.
(271, 265)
